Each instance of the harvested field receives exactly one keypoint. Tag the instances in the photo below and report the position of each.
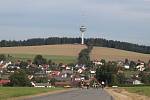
(74, 49)
(61, 50)
(116, 54)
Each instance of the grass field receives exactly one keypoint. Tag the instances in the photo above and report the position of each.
(54, 58)
(10, 92)
(145, 90)
(69, 52)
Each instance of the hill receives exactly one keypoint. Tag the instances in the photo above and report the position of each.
(62, 50)
(73, 51)
(65, 40)
(116, 54)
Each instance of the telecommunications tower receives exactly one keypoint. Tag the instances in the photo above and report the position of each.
(82, 29)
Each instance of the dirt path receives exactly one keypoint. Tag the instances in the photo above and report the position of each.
(122, 94)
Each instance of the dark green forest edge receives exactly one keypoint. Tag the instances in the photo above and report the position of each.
(64, 40)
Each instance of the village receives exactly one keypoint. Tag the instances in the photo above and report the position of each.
(50, 74)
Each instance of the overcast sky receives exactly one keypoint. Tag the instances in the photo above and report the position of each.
(124, 20)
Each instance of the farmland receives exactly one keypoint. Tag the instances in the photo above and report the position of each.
(68, 53)
(116, 54)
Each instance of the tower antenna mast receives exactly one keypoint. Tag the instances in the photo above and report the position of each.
(82, 30)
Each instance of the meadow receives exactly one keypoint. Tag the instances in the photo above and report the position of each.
(53, 58)
(11, 92)
(142, 90)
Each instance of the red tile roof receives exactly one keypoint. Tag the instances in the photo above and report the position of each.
(4, 81)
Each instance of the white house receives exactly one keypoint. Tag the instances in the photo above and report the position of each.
(136, 82)
(41, 84)
(92, 72)
(97, 62)
(80, 70)
(126, 66)
(140, 67)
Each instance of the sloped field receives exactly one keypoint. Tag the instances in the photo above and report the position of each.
(72, 50)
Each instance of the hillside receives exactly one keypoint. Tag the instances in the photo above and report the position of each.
(66, 40)
(73, 50)
(63, 50)
(116, 54)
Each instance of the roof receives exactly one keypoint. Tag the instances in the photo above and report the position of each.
(4, 81)
(42, 84)
(55, 73)
(62, 83)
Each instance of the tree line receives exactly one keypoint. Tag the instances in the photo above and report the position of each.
(64, 40)
(84, 55)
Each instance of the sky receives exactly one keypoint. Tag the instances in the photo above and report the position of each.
(123, 20)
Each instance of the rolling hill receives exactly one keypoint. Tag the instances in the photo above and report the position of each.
(73, 50)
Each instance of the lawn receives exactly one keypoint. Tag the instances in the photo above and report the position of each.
(10, 92)
(143, 90)
(54, 58)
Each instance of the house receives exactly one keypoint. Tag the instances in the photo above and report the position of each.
(5, 65)
(76, 79)
(63, 66)
(126, 66)
(41, 84)
(140, 66)
(80, 66)
(63, 84)
(1, 62)
(54, 73)
(96, 62)
(92, 73)
(137, 82)
(30, 77)
(133, 81)
(46, 66)
(66, 73)
(12, 67)
(4, 82)
(80, 70)
(68, 68)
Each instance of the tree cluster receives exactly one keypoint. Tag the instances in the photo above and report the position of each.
(19, 78)
(108, 72)
(84, 55)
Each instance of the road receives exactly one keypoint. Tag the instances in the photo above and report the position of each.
(77, 94)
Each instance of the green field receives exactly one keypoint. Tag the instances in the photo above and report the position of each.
(54, 58)
(143, 90)
(10, 92)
